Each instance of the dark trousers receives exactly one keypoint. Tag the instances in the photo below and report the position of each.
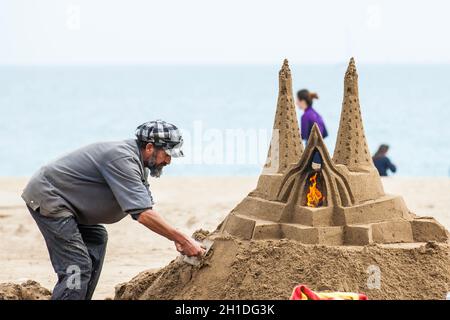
(76, 252)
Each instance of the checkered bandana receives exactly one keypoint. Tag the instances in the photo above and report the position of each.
(162, 135)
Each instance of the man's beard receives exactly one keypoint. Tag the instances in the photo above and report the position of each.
(155, 170)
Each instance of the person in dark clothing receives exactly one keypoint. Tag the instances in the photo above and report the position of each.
(310, 116)
(382, 162)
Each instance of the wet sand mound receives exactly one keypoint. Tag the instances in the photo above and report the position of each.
(270, 269)
(29, 290)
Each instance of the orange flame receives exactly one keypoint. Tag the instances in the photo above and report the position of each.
(314, 196)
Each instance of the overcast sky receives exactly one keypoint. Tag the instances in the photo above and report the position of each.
(226, 31)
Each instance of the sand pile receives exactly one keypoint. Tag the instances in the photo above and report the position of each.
(270, 269)
(29, 290)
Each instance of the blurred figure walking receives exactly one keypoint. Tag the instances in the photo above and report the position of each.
(382, 162)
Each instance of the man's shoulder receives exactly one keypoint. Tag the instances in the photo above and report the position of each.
(113, 150)
(98, 154)
(121, 154)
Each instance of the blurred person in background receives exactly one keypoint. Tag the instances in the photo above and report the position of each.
(382, 162)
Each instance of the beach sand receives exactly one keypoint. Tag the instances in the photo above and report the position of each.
(189, 203)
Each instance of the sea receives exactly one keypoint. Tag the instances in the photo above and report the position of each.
(225, 112)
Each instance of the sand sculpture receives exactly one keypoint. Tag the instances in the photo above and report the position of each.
(340, 203)
(325, 226)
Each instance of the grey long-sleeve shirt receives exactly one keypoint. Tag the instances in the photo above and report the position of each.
(99, 183)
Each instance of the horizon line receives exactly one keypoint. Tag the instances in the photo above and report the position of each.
(186, 64)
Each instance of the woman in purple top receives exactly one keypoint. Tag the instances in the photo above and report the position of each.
(310, 116)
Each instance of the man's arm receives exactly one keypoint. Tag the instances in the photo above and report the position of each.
(184, 244)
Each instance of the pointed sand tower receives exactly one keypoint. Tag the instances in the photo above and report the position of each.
(351, 145)
(286, 145)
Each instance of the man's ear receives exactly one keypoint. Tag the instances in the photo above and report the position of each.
(149, 148)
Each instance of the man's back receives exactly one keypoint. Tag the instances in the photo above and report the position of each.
(98, 183)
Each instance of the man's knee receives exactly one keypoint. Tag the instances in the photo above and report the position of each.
(79, 263)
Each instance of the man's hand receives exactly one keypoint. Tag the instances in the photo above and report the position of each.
(190, 247)
(183, 243)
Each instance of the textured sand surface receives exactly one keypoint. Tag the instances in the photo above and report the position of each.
(269, 269)
(28, 290)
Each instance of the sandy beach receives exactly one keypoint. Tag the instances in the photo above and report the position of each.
(189, 203)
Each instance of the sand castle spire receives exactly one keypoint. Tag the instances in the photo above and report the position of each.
(286, 146)
(351, 146)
